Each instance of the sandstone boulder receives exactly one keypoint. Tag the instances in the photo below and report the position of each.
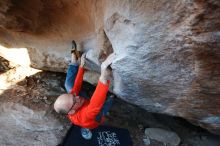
(23, 126)
(165, 137)
(168, 57)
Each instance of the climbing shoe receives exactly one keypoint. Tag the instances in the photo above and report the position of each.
(75, 51)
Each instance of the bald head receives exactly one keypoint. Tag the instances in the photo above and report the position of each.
(63, 103)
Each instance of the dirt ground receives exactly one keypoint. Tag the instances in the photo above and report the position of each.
(38, 90)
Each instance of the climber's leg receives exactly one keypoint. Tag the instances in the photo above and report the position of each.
(72, 69)
(70, 76)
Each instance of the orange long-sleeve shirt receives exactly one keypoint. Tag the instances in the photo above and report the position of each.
(85, 116)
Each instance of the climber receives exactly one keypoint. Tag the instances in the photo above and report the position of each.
(81, 111)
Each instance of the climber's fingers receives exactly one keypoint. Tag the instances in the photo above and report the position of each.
(83, 60)
(108, 61)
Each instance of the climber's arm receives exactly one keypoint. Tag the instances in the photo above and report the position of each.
(97, 100)
(79, 78)
(99, 96)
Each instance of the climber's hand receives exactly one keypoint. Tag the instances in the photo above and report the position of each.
(105, 68)
(83, 60)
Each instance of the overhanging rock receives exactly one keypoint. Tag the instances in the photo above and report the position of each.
(168, 57)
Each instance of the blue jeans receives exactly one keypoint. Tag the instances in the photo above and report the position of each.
(69, 83)
(70, 76)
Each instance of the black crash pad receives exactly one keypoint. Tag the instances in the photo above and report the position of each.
(102, 136)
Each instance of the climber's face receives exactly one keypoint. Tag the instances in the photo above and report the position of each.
(68, 103)
(77, 102)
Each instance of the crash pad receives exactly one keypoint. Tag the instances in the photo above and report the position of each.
(102, 136)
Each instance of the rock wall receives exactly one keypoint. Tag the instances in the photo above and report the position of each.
(28, 126)
(168, 57)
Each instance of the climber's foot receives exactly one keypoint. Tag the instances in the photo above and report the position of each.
(74, 47)
(74, 50)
